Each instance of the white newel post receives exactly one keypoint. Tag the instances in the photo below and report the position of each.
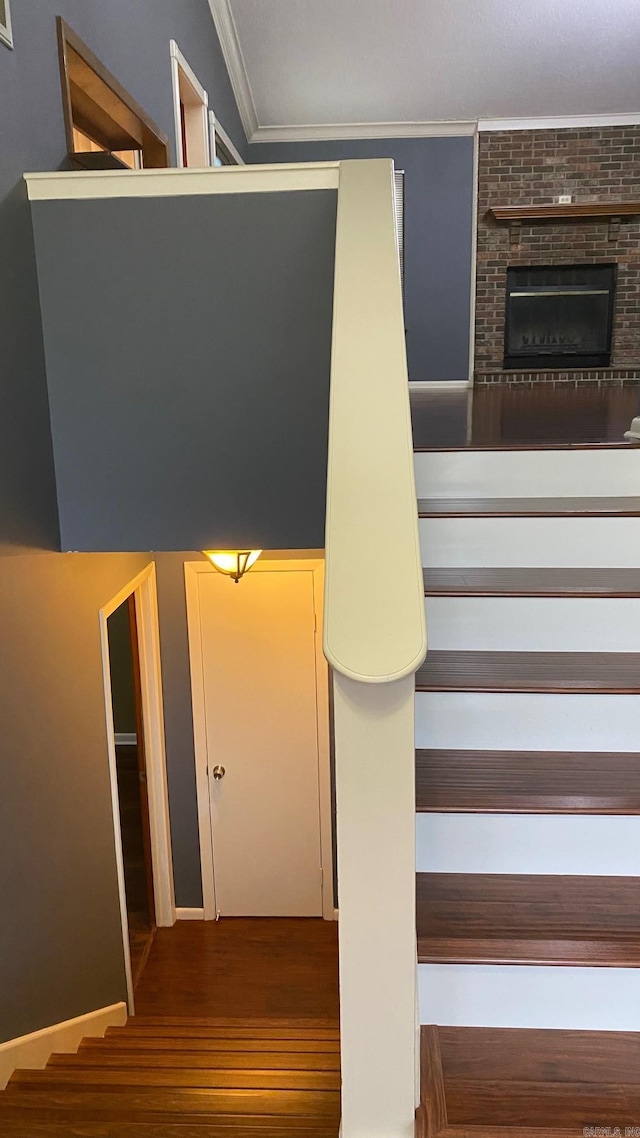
(376, 871)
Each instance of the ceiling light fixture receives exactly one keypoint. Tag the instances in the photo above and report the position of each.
(233, 563)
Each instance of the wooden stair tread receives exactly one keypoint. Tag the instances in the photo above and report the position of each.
(509, 1132)
(530, 1083)
(528, 444)
(175, 1104)
(45, 1127)
(136, 1030)
(228, 1023)
(508, 1103)
(537, 1055)
(528, 782)
(498, 918)
(186, 1077)
(207, 1045)
(558, 672)
(522, 582)
(619, 507)
(194, 1060)
(150, 1077)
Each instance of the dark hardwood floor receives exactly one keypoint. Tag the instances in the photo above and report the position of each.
(511, 416)
(251, 967)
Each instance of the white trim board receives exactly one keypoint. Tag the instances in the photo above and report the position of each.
(559, 122)
(192, 569)
(439, 385)
(34, 1050)
(143, 588)
(190, 914)
(216, 127)
(6, 32)
(272, 178)
(334, 132)
(197, 122)
(190, 75)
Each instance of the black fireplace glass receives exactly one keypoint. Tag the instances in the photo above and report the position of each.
(559, 317)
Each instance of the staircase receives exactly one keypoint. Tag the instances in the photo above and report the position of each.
(528, 792)
(183, 1077)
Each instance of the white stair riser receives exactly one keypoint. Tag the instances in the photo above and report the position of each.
(531, 624)
(528, 474)
(531, 542)
(524, 722)
(528, 843)
(485, 995)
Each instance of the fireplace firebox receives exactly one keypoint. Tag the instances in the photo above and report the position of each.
(559, 317)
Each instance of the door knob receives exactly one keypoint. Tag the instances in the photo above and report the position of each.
(218, 772)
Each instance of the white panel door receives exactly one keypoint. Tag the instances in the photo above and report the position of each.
(259, 668)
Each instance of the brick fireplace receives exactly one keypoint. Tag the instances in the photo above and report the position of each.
(534, 168)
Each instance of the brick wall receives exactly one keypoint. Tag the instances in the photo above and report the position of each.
(534, 167)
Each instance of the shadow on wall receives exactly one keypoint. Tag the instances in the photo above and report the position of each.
(28, 507)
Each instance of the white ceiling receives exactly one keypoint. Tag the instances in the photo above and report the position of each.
(311, 62)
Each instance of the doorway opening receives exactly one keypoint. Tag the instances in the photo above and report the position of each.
(105, 128)
(190, 103)
(223, 151)
(260, 697)
(133, 800)
(137, 766)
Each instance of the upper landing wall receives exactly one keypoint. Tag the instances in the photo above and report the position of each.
(187, 341)
(439, 190)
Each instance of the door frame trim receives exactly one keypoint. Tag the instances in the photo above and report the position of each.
(200, 106)
(192, 570)
(143, 589)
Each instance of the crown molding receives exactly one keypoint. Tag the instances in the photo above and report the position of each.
(560, 122)
(232, 52)
(333, 132)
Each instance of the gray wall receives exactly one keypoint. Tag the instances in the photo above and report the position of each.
(61, 941)
(178, 726)
(61, 951)
(188, 346)
(439, 184)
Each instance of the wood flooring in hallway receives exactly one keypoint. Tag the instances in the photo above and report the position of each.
(240, 966)
(236, 1033)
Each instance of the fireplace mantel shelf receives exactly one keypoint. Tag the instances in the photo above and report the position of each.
(572, 211)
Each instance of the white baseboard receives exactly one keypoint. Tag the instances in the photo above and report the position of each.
(336, 914)
(33, 1051)
(189, 914)
(439, 385)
